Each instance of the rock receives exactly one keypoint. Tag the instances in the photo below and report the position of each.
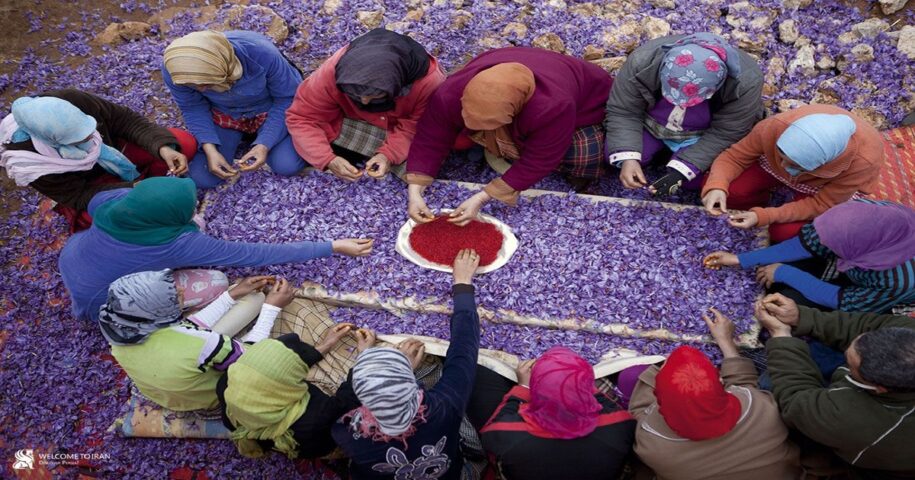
(277, 29)
(117, 33)
(517, 29)
(558, 4)
(801, 41)
(890, 7)
(460, 19)
(586, 9)
(775, 70)
(803, 61)
(870, 28)
(399, 27)
(415, 14)
(827, 92)
(875, 118)
(330, 7)
(795, 4)
(863, 52)
(751, 43)
(370, 18)
(593, 52)
(668, 4)
(906, 42)
(611, 65)
(202, 16)
(625, 38)
(787, 31)
(789, 104)
(761, 18)
(655, 27)
(847, 38)
(491, 42)
(826, 62)
(549, 41)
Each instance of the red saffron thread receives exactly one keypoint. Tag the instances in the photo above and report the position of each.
(439, 241)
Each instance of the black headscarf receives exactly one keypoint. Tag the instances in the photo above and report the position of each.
(380, 62)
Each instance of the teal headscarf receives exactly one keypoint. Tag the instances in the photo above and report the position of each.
(155, 212)
(814, 140)
(62, 126)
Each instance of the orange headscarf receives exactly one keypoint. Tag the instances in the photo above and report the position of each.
(491, 101)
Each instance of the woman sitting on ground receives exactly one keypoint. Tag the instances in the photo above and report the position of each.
(229, 85)
(874, 243)
(268, 405)
(149, 227)
(553, 423)
(401, 428)
(539, 109)
(362, 104)
(690, 426)
(823, 153)
(176, 362)
(69, 145)
(690, 95)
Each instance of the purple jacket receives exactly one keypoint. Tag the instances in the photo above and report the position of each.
(570, 94)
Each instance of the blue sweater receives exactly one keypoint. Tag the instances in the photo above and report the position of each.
(433, 448)
(92, 259)
(872, 291)
(267, 84)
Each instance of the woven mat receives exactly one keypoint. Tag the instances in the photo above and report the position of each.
(897, 177)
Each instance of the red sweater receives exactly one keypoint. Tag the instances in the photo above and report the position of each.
(316, 115)
(570, 93)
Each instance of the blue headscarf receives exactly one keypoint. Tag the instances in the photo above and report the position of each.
(62, 126)
(814, 140)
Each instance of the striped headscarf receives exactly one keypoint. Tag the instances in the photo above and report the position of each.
(203, 58)
(138, 305)
(383, 381)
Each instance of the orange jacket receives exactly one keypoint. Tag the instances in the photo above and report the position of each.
(855, 170)
(316, 115)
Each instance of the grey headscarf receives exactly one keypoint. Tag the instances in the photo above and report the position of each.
(138, 305)
(383, 381)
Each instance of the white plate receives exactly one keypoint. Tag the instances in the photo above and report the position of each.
(509, 245)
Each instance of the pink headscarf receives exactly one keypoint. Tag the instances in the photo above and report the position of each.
(868, 235)
(562, 395)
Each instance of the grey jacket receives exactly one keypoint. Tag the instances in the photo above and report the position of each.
(735, 108)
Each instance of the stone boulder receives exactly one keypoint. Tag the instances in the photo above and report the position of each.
(795, 4)
(202, 16)
(906, 41)
(460, 19)
(655, 27)
(549, 41)
(787, 104)
(875, 118)
(518, 29)
(611, 64)
(890, 7)
(117, 33)
(625, 38)
(593, 52)
(668, 4)
(870, 28)
(804, 62)
(787, 31)
(277, 29)
(370, 18)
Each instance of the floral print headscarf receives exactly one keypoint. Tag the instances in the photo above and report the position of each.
(695, 67)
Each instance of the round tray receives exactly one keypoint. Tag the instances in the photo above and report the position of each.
(509, 245)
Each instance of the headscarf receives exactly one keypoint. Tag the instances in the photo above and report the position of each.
(138, 305)
(383, 381)
(562, 395)
(265, 395)
(692, 399)
(155, 212)
(64, 138)
(490, 102)
(203, 58)
(872, 236)
(814, 140)
(380, 62)
(695, 67)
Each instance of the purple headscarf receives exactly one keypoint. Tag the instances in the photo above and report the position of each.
(869, 235)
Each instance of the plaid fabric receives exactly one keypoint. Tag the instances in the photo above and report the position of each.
(360, 137)
(585, 158)
(246, 125)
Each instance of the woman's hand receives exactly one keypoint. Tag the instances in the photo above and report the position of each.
(342, 169)
(378, 166)
(281, 294)
(745, 220)
(631, 174)
(250, 284)
(217, 164)
(414, 350)
(524, 372)
(353, 247)
(766, 275)
(722, 330)
(467, 211)
(255, 157)
(715, 202)
(365, 339)
(176, 161)
(416, 206)
(333, 336)
(716, 260)
(465, 265)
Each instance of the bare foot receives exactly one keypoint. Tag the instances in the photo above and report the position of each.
(465, 265)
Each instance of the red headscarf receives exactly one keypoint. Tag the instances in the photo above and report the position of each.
(562, 395)
(692, 399)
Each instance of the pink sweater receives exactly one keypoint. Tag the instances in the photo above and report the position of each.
(316, 115)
